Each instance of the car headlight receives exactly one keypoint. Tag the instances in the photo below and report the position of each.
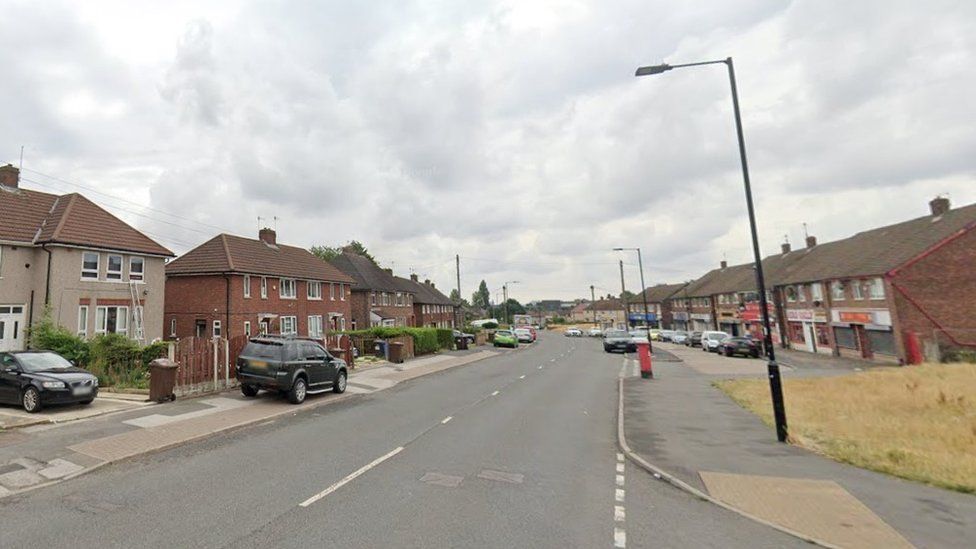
(95, 382)
(52, 384)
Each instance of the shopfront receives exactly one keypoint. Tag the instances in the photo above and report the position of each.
(808, 331)
(701, 322)
(642, 319)
(752, 321)
(679, 320)
(729, 323)
(864, 333)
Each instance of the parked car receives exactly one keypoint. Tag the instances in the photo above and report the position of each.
(469, 337)
(680, 337)
(531, 331)
(505, 338)
(595, 332)
(34, 379)
(637, 336)
(294, 367)
(711, 341)
(617, 340)
(666, 335)
(655, 335)
(523, 335)
(694, 339)
(740, 346)
(573, 331)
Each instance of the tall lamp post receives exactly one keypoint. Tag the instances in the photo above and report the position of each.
(775, 383)
(640, 264)
(505, 296)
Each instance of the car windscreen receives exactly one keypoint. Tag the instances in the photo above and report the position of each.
(503, 333)
(616, 333)
(263, 349)
(40, 362)
(715, 336)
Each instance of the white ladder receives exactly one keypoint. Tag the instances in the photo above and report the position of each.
(137, 330)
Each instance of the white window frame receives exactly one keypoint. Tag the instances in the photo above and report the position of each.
(837, 291)
(172, 327)
(876, 283)
(293, 294)
(141, 275)
(316, 321)
(316, 295)
(83, 320)
(98, 265)
(247, 328)
(264, 287)
(801, 294)
(857, 290)
(342, 292)
(247, 286)
(121, 317)
(293, 321)
(399, 298)
(816, 291)
(217, 330)
(110, 274)
(342, 324)
(372, 298)
(332, 291)
(791, 294)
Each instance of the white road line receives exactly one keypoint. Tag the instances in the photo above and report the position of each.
(349, 478)
(619, 537)
(619, 495)
(552, 360)
(495, 393)
(620, 480)
(619, 513)
(522, 376)
(620, 457)
(445, 420)
(620, 468)
(540, 366)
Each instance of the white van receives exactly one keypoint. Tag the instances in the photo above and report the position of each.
(711, 341)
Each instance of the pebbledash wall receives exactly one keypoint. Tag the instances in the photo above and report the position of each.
(209, 296)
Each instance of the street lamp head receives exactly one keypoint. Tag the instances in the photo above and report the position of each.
(652, 69)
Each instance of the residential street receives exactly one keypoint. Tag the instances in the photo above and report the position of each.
(513, 451)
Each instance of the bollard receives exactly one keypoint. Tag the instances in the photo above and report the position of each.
(644, 352)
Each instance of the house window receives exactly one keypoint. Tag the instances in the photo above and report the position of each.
(353, 324)
(263, 327)
(315, 326)
(876, 288)
(217, 328)
(857, 289)
(247, 285)
(342, 324)
(816, 291)
(172, 327)
(137, 266)
(837, 290)
(264, 287)
(200, 328)
(314, 290)
(89, 265)
(289, 325)
(83, 321)
(399, 298)
(114, 269)
(247, 328)
(372, 298)
(791, 293)
(801, 293)
(111, 320)
(332, 291)
(342, 292)
(286, 288)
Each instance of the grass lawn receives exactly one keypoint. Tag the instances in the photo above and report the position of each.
(915, 422)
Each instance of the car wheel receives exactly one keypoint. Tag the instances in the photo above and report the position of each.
(339, 386)
(87, 402)
(298, 392)
(729, 353)
(249, 390)
(31, 400)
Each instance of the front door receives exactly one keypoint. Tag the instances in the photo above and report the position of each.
(810, 334)
(11, 328)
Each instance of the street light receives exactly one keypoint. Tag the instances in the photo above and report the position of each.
(775, 383)
(640, 263)
(505, 295)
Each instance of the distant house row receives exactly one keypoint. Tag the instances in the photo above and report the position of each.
(891, 294)
(96, 274)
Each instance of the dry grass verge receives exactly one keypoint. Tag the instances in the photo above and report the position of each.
(917, 422)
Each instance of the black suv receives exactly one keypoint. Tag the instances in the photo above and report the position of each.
(292, 366)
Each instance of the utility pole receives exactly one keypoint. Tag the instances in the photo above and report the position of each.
(505, 301)
(623, 298)
(458, 314)
(592, 301)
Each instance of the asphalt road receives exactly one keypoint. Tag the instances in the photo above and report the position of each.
(515, 451)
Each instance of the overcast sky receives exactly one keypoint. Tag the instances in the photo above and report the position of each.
(512, 133)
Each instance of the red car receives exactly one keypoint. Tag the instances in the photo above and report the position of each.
(531, 330)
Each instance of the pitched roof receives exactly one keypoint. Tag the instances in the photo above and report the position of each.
(227, 253)
(660, 292)
(423, 293)
(365, 274)
(606, 305)
(43, 218)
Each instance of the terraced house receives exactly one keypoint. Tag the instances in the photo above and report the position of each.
(233, 286)
(94, 272)
(378, 299)
(431, 308)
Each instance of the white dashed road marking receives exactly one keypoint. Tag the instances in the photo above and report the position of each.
(619, 512)
(522, 376)
(351, 477)
(619, 495)
(445, 420)
(620, 467)
(620, 480)
(495, 393)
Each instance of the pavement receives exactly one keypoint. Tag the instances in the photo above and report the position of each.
(12, 417)
(516, 450)
(687, 428)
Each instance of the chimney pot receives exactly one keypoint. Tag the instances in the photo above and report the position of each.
(786, 247)
(811, 241)
(723, 264)
(427, 281)
(414, 277)
(9, 176)
(939, 205)
(268, 236)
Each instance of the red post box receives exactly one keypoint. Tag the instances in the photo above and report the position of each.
(644, 352)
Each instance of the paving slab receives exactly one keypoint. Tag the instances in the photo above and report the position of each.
(12, 417)
(59, 468)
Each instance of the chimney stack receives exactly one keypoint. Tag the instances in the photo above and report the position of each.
(723, 264)
(413, 277)
(427, 281)
(811, 241)
(9, 176)
(389, 271)
(786, 247)
(268, 236)
(939, 204)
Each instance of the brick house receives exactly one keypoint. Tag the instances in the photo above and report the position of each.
(608, 312)
(234, 286)
(431, 308)
(95, 273)
(659, 304)
(377, 298)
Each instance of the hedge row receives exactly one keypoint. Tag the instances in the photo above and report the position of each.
(425, 340)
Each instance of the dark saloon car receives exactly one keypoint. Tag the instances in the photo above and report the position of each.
(34, 379)
(745, 346)
(290, 366)
(617, 340)
(694, 340)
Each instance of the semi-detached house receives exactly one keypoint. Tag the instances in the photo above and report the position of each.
(431, 308)
(94, 272)
(378, 299)
(233, 286)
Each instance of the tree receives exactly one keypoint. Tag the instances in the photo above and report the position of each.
(513, 307)
(325, 253)
(481, 298)
(329, 253)
(456, 298)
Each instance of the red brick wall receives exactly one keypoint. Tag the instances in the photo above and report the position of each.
(361, 307)
(943, 285)
(192, 298)
(425, 320)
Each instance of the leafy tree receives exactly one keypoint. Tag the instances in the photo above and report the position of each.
(512, 307)
(325, 253)
(456, 298)
(482, 298)
(354, 247)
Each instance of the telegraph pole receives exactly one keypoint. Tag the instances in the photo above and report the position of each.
(623, 299)
(458, 313)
